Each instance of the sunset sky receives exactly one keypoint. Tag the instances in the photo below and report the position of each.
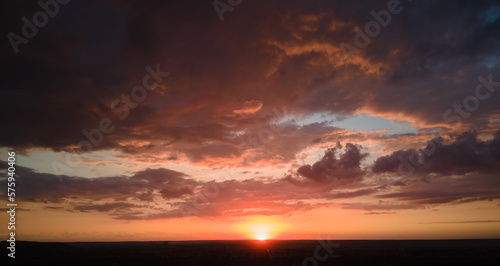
(286, 119)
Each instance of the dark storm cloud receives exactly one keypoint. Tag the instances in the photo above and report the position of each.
(439, 58)
(60, 81)
(390, 163)
(334, 167)
(42, 187)
(471, 188)
(275, 53)
(461, 171)
(466, 154)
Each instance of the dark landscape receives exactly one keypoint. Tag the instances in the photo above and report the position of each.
(251, 252)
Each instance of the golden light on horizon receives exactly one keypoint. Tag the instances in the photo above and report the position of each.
(261, 228)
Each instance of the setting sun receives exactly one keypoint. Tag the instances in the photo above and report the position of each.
(261, 236)
(261, 228)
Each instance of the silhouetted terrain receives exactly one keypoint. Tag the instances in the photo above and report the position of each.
(242, 253)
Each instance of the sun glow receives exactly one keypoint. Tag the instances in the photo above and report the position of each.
(261, 236)
(261, 228)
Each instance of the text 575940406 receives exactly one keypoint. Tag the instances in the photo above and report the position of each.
(11, 196)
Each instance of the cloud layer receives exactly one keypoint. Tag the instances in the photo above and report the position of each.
(336, 177)
(220, 94)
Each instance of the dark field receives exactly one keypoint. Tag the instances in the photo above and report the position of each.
(241, 253)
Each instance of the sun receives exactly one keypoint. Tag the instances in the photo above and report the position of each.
(261, 228)
(262, 236)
